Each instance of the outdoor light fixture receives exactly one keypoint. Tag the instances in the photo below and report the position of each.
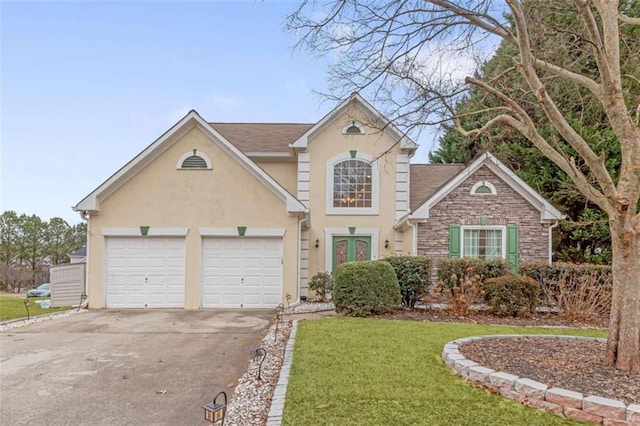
(214, 412)
(279, 313)
(317, 242)
(386, 243)
(27, 303)
(256, 352)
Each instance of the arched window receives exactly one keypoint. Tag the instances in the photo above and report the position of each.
(352, 184)
(194, 160)
(483, 188)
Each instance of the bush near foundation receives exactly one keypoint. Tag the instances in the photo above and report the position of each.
(453, 272)
(578, 291)
(365, 288)
(414, 277)
(512, 295)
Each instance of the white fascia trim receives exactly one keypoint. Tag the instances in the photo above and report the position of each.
(250, 232)
(153, 232)
(375, 186)
(92, 201)
(197, 154)
(270, 155)
(293, 204)
(405, 142)
(329, 233)
(547, 211)
(191, 120)
(503, 228)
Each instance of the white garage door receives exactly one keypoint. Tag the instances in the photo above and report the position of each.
(241, 272)
(145, 272)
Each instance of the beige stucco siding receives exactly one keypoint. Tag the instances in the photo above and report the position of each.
(506, 207)
(284, 173)
(323, 147)
(162, 196)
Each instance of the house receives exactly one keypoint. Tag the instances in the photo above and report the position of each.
(243, 214)
(78, 256)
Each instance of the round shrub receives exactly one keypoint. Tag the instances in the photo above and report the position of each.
(414, 277)
(321, 284)
(512, 295)
(365, 288)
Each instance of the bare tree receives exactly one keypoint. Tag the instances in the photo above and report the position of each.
(407, 54)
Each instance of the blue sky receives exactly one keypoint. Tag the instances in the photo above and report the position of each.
(85, 86)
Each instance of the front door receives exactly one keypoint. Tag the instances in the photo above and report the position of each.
(348, 249)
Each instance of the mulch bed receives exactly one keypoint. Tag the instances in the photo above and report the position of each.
(538, 320)
(576, 365)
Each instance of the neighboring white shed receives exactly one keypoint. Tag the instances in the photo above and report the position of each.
(67, 284)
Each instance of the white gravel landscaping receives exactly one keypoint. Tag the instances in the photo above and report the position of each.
(309, 307)
(11, 324)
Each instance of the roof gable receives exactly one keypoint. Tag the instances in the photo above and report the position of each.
(92, 201)
(547, 210)
(356, 100)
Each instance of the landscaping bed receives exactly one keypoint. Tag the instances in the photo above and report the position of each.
(569, 364)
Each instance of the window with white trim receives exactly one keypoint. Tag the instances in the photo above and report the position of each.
(352, 184)
(194, 160)
(483, 242)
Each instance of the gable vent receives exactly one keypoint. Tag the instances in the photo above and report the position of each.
(194, 162)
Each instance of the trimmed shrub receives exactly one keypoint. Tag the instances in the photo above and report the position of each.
(365, 288)
(512, 295)
(414, 277)
(578, 291)
(321, 284)
(453, 272)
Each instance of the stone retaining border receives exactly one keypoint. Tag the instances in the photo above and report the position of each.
(591, 408)
(277, 402)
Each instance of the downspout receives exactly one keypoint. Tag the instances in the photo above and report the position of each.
(304, 220)
(553, 225)
(414, 232)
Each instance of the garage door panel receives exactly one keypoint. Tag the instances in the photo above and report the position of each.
(145, 272)
(236, 270)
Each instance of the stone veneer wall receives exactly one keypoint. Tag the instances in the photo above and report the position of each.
(564, 402)
(506, 207)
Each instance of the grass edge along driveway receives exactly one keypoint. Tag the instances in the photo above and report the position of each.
(13, 308)
(354, 371)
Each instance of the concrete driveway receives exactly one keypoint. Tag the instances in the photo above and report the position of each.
(124, 367)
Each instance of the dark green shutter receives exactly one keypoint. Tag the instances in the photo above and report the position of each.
(512, 247)
(454, 241)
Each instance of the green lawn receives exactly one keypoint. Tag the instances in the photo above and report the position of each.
(13, 308)
(350, 371)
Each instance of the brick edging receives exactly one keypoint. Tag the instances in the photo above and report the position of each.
(591, 408)
(274, 417)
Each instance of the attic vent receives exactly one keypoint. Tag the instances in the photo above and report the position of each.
(353, 128)
(483, 187)
(194, 162)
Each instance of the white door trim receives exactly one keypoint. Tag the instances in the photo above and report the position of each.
(329, 233)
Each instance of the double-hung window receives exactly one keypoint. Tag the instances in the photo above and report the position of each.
(483, 243)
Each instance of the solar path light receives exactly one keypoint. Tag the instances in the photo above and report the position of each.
(256, 352)
(214, 411)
